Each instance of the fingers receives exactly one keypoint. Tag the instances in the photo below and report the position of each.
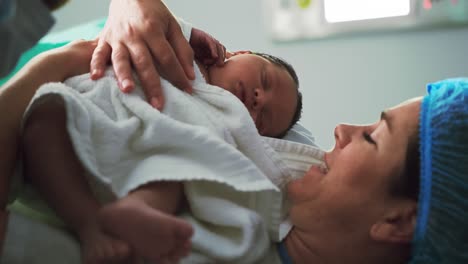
(185, 56)
(147, 74)
(221, 54)
(122, 68)
(101, 56)
(229, 54)
(166, 59)
(216, 50)
(168, 64)
(182, 49)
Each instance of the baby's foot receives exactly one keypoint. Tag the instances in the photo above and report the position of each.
(98, 247)
(153, 234)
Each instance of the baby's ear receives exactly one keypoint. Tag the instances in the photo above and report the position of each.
(397, 225)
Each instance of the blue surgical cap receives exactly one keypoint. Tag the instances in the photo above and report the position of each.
(441, 234)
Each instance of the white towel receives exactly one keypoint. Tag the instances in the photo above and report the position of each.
(298, 157)
(207, 140)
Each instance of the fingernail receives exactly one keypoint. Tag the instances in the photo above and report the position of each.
(155, 103)
(95, 73)
(126, 85)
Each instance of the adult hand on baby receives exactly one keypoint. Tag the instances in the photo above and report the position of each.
(207, 49)
(146, 35)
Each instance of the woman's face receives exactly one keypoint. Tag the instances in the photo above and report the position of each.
(355, 190)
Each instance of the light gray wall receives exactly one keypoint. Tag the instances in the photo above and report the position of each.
(343, 79)
(79, 11)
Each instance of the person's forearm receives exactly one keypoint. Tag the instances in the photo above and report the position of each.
(14, 98)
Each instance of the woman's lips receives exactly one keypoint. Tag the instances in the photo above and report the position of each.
(323, 169)
(317, 170)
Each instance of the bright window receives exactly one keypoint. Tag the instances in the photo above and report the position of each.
(351, 10)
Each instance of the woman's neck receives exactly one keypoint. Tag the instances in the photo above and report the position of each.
(304, 247)
(299, 250)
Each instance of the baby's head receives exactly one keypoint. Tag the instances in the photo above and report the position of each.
(266, 85)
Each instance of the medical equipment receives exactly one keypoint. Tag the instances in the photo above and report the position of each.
(311, 19)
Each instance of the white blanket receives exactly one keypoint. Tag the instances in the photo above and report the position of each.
(207, 140)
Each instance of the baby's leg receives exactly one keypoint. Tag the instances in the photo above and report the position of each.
(144, 219)
(53, 167)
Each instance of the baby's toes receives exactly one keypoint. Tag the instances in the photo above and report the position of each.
(184, 248)
(114, 252)
(179, 252)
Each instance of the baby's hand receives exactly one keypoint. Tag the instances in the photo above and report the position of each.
(207, 49)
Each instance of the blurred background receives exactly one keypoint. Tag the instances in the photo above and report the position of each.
(344, 79)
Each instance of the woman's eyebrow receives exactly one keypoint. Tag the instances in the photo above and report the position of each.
(386, 117)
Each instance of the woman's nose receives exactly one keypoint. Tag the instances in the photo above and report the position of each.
(344, 134)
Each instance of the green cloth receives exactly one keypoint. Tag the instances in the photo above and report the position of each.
(54, 40)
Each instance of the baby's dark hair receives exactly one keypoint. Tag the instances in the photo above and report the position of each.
(282, 63)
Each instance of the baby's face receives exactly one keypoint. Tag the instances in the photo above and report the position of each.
(266, 89)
